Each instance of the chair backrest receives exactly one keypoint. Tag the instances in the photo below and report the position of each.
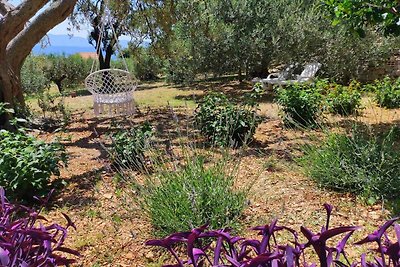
(110, 81)
(286, 72)
(310, 70)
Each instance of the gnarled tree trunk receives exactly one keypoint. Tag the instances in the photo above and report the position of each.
(21, 28)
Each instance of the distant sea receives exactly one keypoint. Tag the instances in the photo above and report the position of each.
(59, 50)
(65, 44)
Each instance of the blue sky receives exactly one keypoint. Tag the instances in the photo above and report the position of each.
(62, 28)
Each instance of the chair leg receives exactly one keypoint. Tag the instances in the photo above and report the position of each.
(96, 109)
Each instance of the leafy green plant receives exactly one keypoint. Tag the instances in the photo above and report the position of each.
(143, 62)
(129, 146)
(301, 104)
(33, 78)
(225, 123)
(358, 162)
(54, 112)
(387, 93)
(27, 163)
(195, 194)
(344, 100)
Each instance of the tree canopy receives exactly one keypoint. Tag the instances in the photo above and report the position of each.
(357, 14)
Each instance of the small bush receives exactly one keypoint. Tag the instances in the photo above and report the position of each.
(359, 163)
(128, 147)
(27, 163)
(225, 123)
(33, 78)
(25, 241)
(301, 104)
(388, 93)
(194, 195)
(54, 112)
(344, 100)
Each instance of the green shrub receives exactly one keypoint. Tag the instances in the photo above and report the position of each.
(129, 147)
(54, 112)
(359, 163)
(225, 123)
(147, 65)
(27, 163)
(180, 70)
(387, 93)
(194, 195)
(301, 104)
(344, 100)
(33, 78)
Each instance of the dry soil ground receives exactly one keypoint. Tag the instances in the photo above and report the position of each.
(111, 231)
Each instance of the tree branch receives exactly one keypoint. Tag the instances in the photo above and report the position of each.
(22, 44)
(14, 20)
(5, 7)
(392, 10)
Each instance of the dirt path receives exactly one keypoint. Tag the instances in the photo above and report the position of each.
(111, 230)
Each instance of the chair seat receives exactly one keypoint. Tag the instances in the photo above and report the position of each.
(113, 98)
(284, 82)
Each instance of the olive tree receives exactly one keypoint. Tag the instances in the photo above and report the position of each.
(21, 28)
(109, 20)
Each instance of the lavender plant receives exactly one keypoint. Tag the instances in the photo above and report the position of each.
(219, 248)
(26, 242)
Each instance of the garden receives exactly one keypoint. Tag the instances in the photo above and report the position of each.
(214, 167)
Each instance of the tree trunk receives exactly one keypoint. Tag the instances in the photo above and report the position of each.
(58, 82)
(11, 93)
(18, 37)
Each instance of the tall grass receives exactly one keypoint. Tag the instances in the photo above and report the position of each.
(358, 162)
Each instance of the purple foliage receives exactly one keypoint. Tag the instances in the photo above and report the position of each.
(218, 248)
(26, 242)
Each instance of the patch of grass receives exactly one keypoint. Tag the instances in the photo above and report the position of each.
(271, 164)
(92, 213)
(117, 219)
(359, 162)
(195, 195)
(163, 96)
(153, 95)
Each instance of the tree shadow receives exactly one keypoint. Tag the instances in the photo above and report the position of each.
(80, 193)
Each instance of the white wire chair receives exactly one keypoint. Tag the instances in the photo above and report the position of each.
(112, 91)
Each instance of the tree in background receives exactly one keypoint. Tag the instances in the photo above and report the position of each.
(252, 36)
(21, 28)
(93, 11)
(67, 71)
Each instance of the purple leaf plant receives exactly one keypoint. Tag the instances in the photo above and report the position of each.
(26, 242)
(219, 248)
